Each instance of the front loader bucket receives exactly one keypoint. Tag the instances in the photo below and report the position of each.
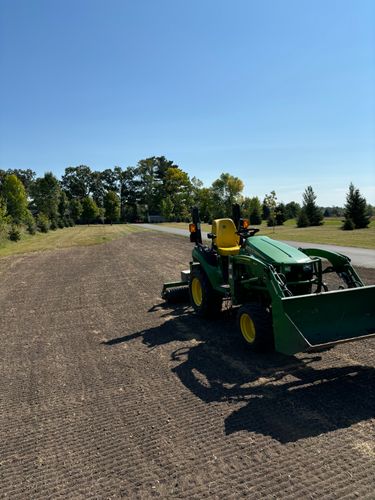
(309, 322)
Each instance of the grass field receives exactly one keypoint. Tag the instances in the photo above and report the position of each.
(67, 237)
(330, 233)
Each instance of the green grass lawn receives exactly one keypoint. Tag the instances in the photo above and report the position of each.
(329, 233)
(67, 237)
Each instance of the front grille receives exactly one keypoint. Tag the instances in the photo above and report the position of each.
(297, 273)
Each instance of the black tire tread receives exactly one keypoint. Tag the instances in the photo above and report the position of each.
(212, 300)
(262, 320)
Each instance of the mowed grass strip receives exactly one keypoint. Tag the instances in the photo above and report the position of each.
(67, 237)
(329, 233)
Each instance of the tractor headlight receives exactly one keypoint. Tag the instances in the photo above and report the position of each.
(307, 268)
(287, 269)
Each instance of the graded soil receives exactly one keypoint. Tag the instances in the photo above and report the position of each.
(107, 392)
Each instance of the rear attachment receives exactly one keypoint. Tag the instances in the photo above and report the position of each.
(309, 322)
(177, 291)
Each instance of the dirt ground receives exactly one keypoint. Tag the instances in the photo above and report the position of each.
(108, 393)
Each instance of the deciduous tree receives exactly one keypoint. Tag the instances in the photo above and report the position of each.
(270, 201)
(26, 176)
(110, 180)
(206, 204)
(90, 210)
(292, 210)
(226, 190)
(14, 194)
(4, 218)
(76, 181)
(177, 187)
(97, 188)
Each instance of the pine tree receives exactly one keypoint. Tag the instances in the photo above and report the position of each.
(256, 215)
(252, 209)
(280, 214)
(112, 207)
(75, 209)
(302, 220)
(46, 192)
(312, 211)
(356, 209)
(63, 206)
(167, 208)
(265, 210)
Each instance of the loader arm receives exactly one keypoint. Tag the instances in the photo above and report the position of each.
(340, 264)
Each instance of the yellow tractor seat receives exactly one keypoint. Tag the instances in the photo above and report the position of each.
(226, 239)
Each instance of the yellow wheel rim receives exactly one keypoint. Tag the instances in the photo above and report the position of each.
(196, 291)
(247, 328)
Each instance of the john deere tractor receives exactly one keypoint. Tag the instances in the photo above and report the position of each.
(284, 303)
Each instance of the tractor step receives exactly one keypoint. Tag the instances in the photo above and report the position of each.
(225, 287)
(185, 276)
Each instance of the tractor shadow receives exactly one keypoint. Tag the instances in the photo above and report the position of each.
(285, 397)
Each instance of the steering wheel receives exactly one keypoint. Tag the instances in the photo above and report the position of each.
(246, 233)
(253, 230)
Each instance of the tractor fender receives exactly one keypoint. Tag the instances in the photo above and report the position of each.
(212, 272)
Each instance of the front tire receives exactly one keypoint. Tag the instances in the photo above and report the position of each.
(255, 325)
(205, 301)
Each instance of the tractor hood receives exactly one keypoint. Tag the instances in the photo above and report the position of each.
(273, 251)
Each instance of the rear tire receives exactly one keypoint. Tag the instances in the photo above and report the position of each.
(255, 325)
(205, 301)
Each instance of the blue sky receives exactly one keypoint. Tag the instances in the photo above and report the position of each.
(279, 93)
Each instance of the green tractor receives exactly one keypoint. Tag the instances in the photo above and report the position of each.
(284, 303)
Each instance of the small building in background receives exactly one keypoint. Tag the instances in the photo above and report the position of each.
(156, 218)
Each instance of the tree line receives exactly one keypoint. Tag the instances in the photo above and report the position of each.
(155, 186)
